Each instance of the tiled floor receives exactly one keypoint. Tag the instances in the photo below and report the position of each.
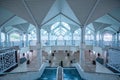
(33, 66)
(88, 67)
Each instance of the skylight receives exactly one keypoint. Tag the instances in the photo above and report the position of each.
(63, 29)
(55, 25)
(56, 30)
(60, 28)
(107, 37)
(78, 31)
(66, 25)
(43, 32)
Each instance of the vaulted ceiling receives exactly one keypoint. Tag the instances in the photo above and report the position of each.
(19, 14)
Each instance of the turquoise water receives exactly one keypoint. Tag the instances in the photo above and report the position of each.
(48, 74)
(71, 74)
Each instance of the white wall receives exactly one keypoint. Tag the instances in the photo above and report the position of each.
(113, 56)
(98, 50)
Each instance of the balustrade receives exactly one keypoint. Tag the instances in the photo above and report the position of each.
(8, 59)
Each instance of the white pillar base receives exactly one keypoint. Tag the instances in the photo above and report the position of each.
(39, 54)
(82, 56)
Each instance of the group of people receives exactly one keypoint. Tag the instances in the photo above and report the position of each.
(98, 59)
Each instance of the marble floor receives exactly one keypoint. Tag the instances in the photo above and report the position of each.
(88, 67)
(33, 66)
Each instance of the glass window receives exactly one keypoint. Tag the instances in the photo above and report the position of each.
(58, 33)
(44, 32)
(107, 37)
(14, 37)
(33, 34)
(66, 25)
(60, 28)
(77, 34)
(89, 37)
(2, 37)
(56, 30)
(64, 29)
(55, 25)
(60, 37)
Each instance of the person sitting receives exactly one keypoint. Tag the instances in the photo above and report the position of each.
(23, 59)
(99, 59)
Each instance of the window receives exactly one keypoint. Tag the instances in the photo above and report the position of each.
(14, 37)
(77, 34)
(107, 37)
(55, 25)
(44, 34)
(60, 28)
(65, 25)
(2, 37)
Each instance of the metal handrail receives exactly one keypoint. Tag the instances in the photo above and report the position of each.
(59, 75)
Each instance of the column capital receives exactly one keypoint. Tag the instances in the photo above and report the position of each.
(82, 27)
(38, 28)
(82, 34)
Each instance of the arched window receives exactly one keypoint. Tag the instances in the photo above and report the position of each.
(77, 34)
(60, 30)
(32, 35)
(107, 37)
(89, 35)
(14, 37)
(60, 37)
(44, 34)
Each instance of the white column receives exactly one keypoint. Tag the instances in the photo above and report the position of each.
(21, 40)
(72, 37)
(0, 38)
(48, 38)
(99, 39)
(39, 50)
(102, 40)
(95, 41)
(6, 39)
(82, 48)
(117, 39)
(26, 39)
(114, 38)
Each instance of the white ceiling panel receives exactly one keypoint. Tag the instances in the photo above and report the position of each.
(14, 21)
(82, 8)
(104, 7)
(18, 8)
(5, 15)
(39, 9)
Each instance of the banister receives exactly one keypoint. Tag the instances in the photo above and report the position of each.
(59, 75)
